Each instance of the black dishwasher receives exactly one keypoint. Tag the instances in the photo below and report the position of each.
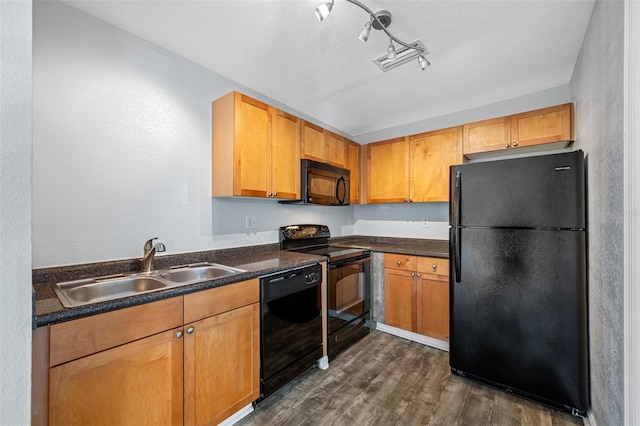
(291, 325)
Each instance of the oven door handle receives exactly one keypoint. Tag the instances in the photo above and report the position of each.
(341, 337)
(350, 261)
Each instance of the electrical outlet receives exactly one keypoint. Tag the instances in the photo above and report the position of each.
(425, 222)
(251, 222)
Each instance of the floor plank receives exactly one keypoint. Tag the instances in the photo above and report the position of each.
(387, 380)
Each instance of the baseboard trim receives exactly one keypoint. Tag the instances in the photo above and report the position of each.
(589, 420)
(414, 337)
(237, 416)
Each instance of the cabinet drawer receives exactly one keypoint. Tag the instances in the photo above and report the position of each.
(434, 268)
(206, 303)
(85, 336)
(400, 261)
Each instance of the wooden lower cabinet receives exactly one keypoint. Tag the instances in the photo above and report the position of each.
(416, 294)
(194, 374)
(133, 384)
(222, 357)
(399, 298)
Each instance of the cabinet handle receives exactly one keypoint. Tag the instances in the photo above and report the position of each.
(275, 195)
(514, 143)
(413, 274)
(418, 275)
(190, 330)
(411, 200)
(398, 262)
(434, 267)
(506, 145)
(179, 334)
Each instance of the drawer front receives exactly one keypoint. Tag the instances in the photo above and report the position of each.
(400, 261)
(433, 268)
(75, 339)
(217, 300)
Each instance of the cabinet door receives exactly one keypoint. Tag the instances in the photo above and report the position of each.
(542, 126)
(433, 297)
(335, 149)
(133, 384)
(312, 144)
(487, 135)
(430, 156)
(353, 164)
(285, 156)
(251, 149)
(222, 365)
(399, 289)
(432, 307)
(388, 171)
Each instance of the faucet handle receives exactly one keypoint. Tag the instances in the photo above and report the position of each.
(160, 248)
(148, 245)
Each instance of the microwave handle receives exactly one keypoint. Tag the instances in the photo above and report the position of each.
(344, 186)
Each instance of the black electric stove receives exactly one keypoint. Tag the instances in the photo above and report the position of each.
(348, 283)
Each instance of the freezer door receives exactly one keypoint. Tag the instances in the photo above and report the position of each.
(518, 314)
(546, 191)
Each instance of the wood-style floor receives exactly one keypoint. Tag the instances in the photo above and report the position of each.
(387, 380)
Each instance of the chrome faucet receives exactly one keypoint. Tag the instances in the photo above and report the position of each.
(150, 250)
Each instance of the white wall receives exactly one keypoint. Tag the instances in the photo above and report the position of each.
(122, 134)
(15, 212)
(598, 90)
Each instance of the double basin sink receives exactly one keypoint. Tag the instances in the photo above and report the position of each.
(93, 290)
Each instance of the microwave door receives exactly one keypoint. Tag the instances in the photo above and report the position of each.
(321, 187)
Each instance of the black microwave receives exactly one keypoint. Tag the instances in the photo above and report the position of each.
(322, 184)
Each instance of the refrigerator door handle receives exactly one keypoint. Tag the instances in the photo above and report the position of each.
(457, 261)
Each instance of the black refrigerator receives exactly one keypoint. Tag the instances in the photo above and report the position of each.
(518, 285)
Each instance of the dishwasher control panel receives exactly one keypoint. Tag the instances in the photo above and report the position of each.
(313, 277)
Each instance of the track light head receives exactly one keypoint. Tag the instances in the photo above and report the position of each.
(391, 51)
(323, 10)
(366, 30)
(424, 62)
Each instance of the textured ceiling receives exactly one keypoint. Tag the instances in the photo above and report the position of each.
(481, 51)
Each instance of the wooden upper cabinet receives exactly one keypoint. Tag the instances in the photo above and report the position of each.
(414, 168)
(353, 164)
(335, 149)
(388, 171)
(547, 125)
(430, 155)
(285, 156)
(553, 125)
(312, 142)
(254, 149)
(321, 145)
(487, 135)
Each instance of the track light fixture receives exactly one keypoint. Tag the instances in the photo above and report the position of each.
(380, 21)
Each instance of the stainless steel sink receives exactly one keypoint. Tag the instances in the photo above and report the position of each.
(92, 290)
(197, 273)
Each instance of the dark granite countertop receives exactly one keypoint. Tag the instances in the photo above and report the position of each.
(410, 246)
(257, 261)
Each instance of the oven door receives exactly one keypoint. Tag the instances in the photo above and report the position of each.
(326, 187)
(349, 291)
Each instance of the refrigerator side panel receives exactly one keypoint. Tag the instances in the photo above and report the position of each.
(546, 191)
(518, 315)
